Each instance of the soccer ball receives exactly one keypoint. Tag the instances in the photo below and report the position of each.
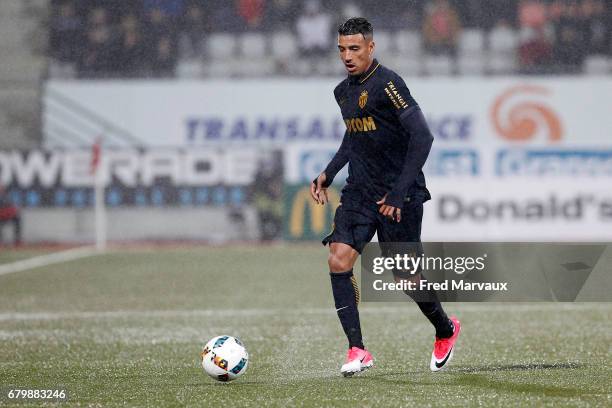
(224, 358)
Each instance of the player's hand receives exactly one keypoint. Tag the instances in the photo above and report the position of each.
(317, 191)
(388, 211)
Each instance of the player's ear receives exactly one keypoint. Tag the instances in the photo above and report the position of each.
(371, 47)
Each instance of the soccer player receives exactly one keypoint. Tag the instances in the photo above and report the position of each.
(386, 144)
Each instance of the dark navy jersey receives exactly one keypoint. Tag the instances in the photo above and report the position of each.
(379, 111)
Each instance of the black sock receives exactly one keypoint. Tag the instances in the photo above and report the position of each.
(432, 309)
(436, 315)
(346, 297)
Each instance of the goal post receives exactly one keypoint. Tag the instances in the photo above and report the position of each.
(100, 223)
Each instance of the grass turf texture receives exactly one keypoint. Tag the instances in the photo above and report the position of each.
(126, 328)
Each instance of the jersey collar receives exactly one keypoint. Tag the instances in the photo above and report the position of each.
(366, 75)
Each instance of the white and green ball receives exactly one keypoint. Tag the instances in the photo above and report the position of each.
(224, 358)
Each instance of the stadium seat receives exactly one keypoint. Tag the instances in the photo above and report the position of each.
(221, 46)
(384, 42)
(329, 66)
(438, 65)
(249, 68)
(501, 63)
(284, 45)
(221, 68)
(253, 60)
(61, 70)
(502, 40)
(404, 65)
(597, 65)
(408, 43)
(189, 68)
(386, 57)
(324, 66)
(473, 65)
(300, 67)
(471, 42)
(252, 45)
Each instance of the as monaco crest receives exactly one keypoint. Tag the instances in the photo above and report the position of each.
(363, 99)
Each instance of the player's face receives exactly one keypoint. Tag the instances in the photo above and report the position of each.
(356, 53)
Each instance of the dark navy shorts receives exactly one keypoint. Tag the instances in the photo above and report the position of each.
(355, 223)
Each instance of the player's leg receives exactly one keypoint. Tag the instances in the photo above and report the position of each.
(352, 230)
(447, 329)
(408, 231)
(341, 260)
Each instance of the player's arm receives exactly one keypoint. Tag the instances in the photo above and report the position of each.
(419, 146)
(318, 188)
(421, 139)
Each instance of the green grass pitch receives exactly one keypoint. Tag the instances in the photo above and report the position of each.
(126, 328)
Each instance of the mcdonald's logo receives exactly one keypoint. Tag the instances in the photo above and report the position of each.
(306, 219)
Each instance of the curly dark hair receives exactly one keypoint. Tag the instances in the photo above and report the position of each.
(356, 25)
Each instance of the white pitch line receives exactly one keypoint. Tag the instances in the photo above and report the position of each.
(254, 312)
(49, 259)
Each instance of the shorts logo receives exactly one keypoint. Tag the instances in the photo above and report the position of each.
(517, 115)
(363, 99)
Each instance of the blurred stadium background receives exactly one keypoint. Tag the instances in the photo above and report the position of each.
(206, 121)
(212, 116)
